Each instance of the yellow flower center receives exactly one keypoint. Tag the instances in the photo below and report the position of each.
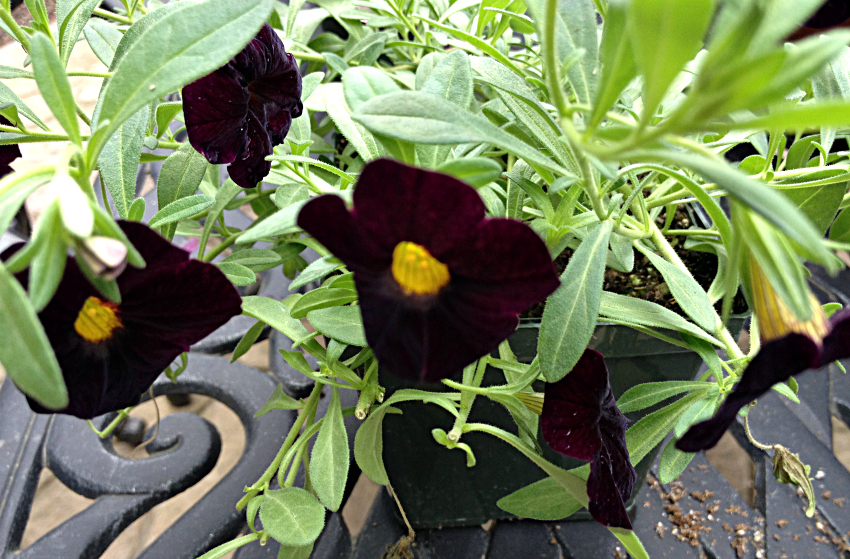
(97, 320)
(416, 271)
(775, 319)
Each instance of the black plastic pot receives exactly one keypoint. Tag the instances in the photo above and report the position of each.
(433, 483)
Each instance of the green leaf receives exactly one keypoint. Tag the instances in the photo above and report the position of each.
(252, 509)
(16, 188)
(673, 462)
(774, 207)
(340, 323)
(839, 232)
(476, 171)
(369, 445)
(617, 58)
(315, 271)
(180, 177)
(570, 315)
(119, 161)
(650, 393)
(291, 193)
(46, 268)
(237, 273)
(664, 35)
(451, 79)
(420, 117)
(280, 401)
(175, 47)
(329, 459)
(781, 18)
(165, 113)
(137, 210)
(181, 209)
(26, 353)
(103, 40)
(360, 84)
(575, 31)
(650, 430)
(248, 340)
(698, 411)
(321, 299)
(292, 516)
(53, 84)
(688, 293)
(276, 315)
(71, 18)
(542, 500)
(819, 203)
(257, 259)
(295, 552)
(629, 310)
(228, 191)
(341, 114)
(8, 96)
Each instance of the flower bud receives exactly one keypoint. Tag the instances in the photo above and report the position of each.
(105, 256)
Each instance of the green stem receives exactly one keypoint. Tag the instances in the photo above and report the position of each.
(467, 397)
(91, 74)
(550, 60)
(122, 415)
(299, 456)
(106, 14)
(19, 33)
(263, 483)
(307, 56)
(227, 547)
(222, 246)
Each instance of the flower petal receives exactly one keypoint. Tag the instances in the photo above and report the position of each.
(776, 361)
(251, 166)
(836, 344)
(610, 485)
(395, 203)
(157, 252)
(216, 108)
(329, 222)
(508, 266)
(572, 408)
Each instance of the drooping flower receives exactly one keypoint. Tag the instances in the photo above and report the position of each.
(831, 15)
(8, 153)
(581, 420)
(439, 285)
(238, 113)
(111, 353)
(789, 347)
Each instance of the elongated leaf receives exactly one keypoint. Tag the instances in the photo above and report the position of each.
(421, 117)
(315, 271)
(279, 401)
(75, 14)
(664, 35)
(15, 188)
(698, 411)
(119, 161)
(183, 43)
(276, 315)
(329, 460)
(25, 352)
(450, 79)
(46, 268)
(103, 40)
(292, 516)
(180, 177)
(688, 293)
(257, 259)
(476, 171)
(840, 230)
(237, 273)
(570, 315)
(53, 84)
(248, 340)
(542, 500)
(369, 445)
(340, 323)
(673, 462)
(181, 209)
(650, 430)
(575, 31)
(650, 393)
(322, 299)
(819, 203)
(617, 60)
(8, 96)
(360, 84)
(629, 310)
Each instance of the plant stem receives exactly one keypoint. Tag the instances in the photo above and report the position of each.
(19, 33)
(106, 14)
(91, 74)
(750, 435)
(222, 246)
(466, 399)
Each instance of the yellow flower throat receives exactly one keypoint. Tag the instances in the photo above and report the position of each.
(97, 320)
(416, 271)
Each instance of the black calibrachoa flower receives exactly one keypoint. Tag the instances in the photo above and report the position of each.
(789, 347)
(439, 285)
(241, 111)
(8, 153)
(581, 420)
(111, 353)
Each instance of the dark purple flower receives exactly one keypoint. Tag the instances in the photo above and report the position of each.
(831, 15)
(8, 153)
(581, 420)
(439, 285)
(789, 347)
(111, 353)
(241, 111)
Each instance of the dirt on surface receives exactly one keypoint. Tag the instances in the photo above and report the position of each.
(646, 282)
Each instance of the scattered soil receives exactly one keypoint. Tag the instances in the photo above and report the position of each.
(646, 282)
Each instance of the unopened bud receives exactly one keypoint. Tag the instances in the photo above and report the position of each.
(105, 256)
